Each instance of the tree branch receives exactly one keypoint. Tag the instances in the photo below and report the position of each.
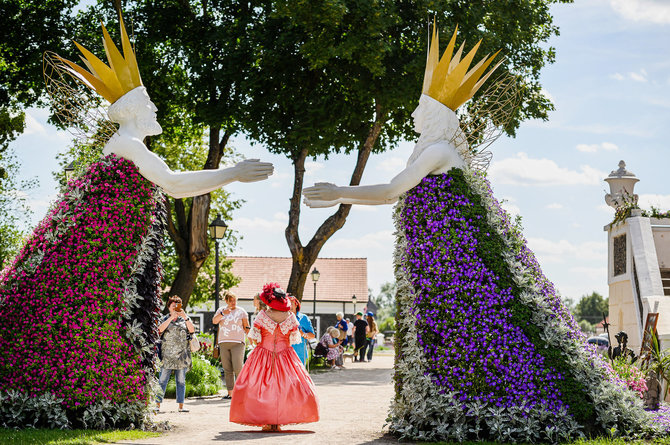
(292, 235)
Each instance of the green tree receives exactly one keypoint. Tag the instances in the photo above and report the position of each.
(192, 57)
(14, 209)
(29, 27)
(343, 76)
(591, 308)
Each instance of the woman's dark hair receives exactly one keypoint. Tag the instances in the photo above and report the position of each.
(174, 299)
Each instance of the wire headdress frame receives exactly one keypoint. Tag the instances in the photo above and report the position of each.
(485, 119)
(76, 107)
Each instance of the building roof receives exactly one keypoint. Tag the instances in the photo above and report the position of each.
(340, 279)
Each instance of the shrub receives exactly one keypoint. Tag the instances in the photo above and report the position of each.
(203, 379)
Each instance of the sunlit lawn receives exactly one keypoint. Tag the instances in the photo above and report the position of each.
(69, 437)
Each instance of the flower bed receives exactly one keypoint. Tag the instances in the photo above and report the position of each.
(79, 305)
(485, 349)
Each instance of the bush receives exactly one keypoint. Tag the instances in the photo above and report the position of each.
(203, 379)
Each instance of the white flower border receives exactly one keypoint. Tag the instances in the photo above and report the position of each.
(420, 412)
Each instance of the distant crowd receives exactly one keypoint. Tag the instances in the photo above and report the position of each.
(346, 339)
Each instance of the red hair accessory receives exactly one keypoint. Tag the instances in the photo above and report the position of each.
(275, 297)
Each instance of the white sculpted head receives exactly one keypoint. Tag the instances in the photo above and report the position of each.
(136, 107)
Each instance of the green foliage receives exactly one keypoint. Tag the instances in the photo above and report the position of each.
(587, 327)
(387, 324)
(659, 363)
(490, 249)
(13, 207)
(70, 437)
(591, 308)
(203, 379)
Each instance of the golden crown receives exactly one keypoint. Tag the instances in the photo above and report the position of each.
(448, 79)
(115, 80)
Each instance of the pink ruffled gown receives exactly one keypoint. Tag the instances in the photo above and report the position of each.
(273, 387)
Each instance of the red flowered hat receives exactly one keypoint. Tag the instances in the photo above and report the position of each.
(275, 297)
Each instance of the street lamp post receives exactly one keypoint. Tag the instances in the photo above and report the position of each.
(315, 277)
(353, 300)
(216, 231)
(69, 171)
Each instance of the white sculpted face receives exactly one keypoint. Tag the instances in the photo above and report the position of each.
(136, 108)
(419, 114)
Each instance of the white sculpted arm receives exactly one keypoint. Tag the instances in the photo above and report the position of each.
(186, 184)
(437, 158)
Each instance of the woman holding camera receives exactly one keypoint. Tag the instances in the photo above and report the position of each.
(176, 329)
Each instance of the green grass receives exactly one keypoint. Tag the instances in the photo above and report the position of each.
(69, 437)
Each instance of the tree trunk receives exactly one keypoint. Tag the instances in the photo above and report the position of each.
(189, 231)
(305, 256)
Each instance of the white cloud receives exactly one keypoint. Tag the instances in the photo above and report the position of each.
(564, 251)
(360, 246)
(605, 208)
(522, 170)
(654, 11)
(257, 224)
(33, 126)
(507, 203)
(592, 148)
(554, 206)
(661, 202)
(392, 165)
(312, 167)
(640, 76)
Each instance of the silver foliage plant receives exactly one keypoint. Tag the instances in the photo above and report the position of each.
(420, 411)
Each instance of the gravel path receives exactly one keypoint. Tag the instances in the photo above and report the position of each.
(354, 403)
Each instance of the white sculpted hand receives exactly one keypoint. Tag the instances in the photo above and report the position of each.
(252, 170)
(321, 192)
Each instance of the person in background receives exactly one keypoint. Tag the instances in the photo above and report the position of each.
(330, 341)
(350, 332)
(305, 328)
(233, 324)
(258, 304)
(175, 329)
(342, 325)
(372, 334)
(361, 330)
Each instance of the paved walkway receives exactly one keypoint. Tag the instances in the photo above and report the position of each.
(354, 404)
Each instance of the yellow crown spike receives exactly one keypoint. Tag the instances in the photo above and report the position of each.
(113, 81)
(102, 72)
(457, 58)
(483, 79)
(445, 91)
(129, 54)
(88, 79)
(453, 81)
(116, 60)
(433, 58)
(467, 89)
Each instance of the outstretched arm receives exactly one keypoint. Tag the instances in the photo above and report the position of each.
(433, 159)
(192, 183)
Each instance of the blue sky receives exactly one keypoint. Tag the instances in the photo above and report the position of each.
(611, 88)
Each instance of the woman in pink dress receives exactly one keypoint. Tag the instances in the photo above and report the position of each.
(273, 387)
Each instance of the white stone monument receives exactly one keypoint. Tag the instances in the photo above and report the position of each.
(638, 266)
